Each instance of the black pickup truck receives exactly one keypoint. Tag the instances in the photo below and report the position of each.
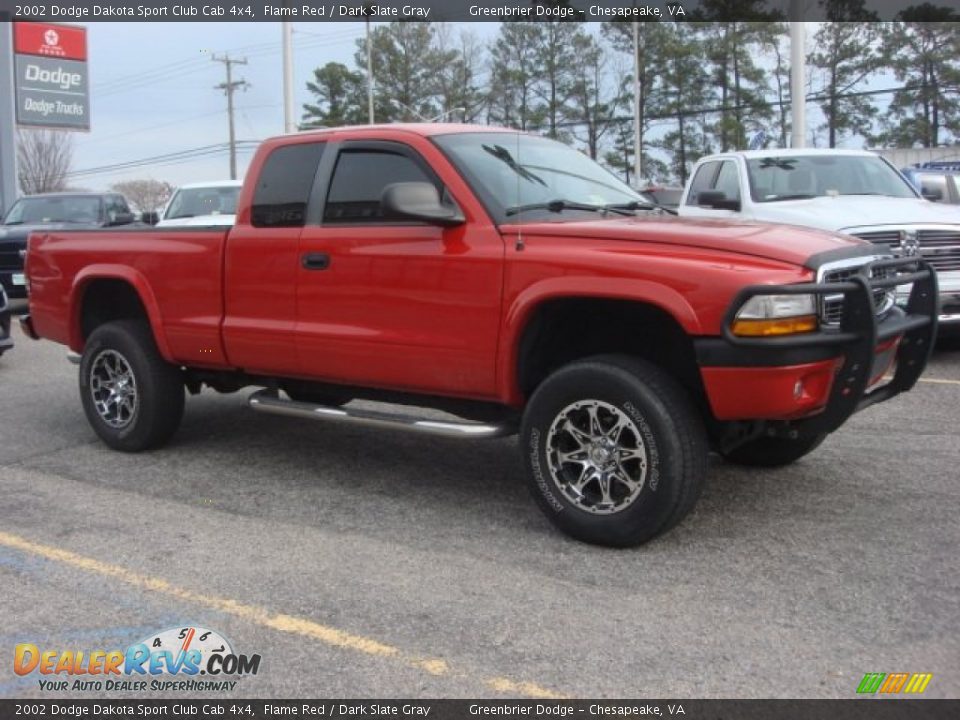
(52, 211)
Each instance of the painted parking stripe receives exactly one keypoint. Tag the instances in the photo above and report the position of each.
(940, 381)
(281, 622)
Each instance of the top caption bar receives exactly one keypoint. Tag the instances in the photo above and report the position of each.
(449, 10)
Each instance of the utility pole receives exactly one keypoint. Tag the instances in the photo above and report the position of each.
(637, 149)
(229, 87)
(289, 125)
(798, 74)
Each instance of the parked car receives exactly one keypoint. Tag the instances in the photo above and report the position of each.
(848, 191)
(505, 278)
(936, 181)
(6, 340)
(210, 203)
(52, 211)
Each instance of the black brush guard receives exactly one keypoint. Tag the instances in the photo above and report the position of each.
(856, 337)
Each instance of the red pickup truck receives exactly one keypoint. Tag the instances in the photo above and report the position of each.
(503, 278)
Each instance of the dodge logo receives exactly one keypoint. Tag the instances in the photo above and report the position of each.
(51, 37)
(909, 245)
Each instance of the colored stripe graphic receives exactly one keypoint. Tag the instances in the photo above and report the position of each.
(871, 683)
(894, 682)
(918, 682)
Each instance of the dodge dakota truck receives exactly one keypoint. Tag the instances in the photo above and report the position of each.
(508, 281)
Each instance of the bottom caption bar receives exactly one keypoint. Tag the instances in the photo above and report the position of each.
(859, 709)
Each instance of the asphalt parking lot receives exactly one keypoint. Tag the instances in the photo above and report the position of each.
(371, 564)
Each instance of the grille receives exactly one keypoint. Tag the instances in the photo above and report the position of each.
(883, 237)
(832, 305)
(938, 246)
(10, 260)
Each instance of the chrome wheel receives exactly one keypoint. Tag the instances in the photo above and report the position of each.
(113, 389)
(597, 456)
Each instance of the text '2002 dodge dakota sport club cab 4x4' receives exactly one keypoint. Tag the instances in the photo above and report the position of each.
(506, 279)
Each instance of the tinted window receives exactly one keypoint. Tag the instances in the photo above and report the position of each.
(728, 181)
(283, 188)
(701, 181)
(359, 180)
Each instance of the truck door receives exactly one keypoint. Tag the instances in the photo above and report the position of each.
(262, 258)
(396, 303)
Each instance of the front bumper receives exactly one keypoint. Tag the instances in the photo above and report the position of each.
(812, 383)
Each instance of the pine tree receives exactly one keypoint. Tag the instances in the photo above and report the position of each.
(846, 54)
(340, 97)
(923, 48)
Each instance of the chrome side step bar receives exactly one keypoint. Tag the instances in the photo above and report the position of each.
(267, 401)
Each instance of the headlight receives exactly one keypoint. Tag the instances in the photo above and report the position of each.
(771, 315)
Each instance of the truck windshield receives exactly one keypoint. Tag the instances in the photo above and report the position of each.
(519, 173)
(192, 202)
(807, 176)
(60, 209)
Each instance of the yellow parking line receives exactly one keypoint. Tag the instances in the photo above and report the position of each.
(275, 621)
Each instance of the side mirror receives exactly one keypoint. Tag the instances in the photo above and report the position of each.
(150, 218)
(717, 200)
(932, 194)
(121, 218)
(418, 201)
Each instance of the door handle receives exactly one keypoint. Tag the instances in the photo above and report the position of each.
(315, 261)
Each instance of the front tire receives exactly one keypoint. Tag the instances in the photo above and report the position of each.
(614, 450)
(132, 397)
(773, 452)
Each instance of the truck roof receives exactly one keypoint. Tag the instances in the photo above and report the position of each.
(422, 129)
(787, 152)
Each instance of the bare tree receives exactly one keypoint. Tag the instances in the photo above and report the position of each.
(43, 160)
(147, 195)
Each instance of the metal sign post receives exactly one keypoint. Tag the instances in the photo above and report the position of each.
(8, 142)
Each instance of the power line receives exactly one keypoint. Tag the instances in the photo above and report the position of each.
(180, 155)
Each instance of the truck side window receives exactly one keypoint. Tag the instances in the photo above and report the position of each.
(359, 180)
(283, 188)
(701, 181)
(728, 180)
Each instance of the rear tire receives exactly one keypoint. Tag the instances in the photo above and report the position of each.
(614, 450)
(773, 452)
(132, 397)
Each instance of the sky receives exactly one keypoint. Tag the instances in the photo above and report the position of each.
(152, 91)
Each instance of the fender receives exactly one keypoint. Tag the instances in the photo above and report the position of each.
(133, 278)
(526, 302)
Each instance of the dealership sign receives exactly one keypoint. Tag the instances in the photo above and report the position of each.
(52, 86)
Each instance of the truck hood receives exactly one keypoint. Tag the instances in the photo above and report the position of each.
(789, 244)
(847, 212)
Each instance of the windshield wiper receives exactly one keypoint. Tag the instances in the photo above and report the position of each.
(559, 205)
(634, 205)
(798, 196)
(504, 156)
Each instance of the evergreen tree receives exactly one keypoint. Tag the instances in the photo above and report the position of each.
(341, 97)
(846, 54)
(513, 76)
(923, 48)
